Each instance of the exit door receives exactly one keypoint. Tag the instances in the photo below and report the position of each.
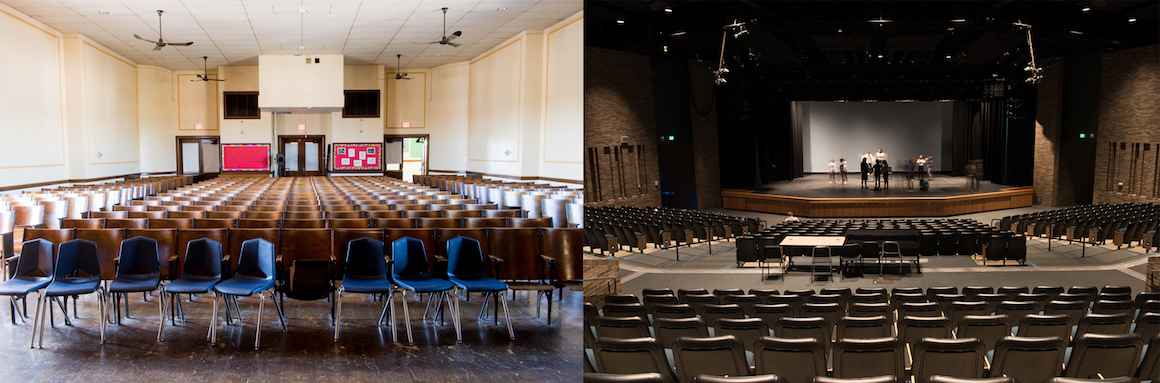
(301, 155)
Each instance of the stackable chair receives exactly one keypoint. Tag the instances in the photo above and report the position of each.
(412, 273)
(254, 276)
(466, 268)
(77, 272)
(200, 271)
(33, 272)
(138, 271)
(365, 272)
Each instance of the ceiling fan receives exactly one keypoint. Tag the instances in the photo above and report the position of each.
(160, 43)
(204, 76)
(448, 39)
(399, 74)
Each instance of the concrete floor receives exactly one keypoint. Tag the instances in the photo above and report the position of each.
(305, 353)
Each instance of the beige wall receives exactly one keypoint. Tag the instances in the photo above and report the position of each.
(511, 111)
(448, 122)
(157, 111)
(242, 78)
(31, 104)
(354, 130)
(563, 128)
(101, 110)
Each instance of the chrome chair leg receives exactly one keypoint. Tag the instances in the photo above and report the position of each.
(453, 309)
(102, 303)
(258, 334)
(407, 317)
(338, 313)
(36, 318)
(507, 316)
(160, 315)
(211, 335)
(43, 306)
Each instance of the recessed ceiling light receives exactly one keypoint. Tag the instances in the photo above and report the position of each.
(960, 20)
(880, 56)
(839, 30)
(1086, 9)
(668, 10)
(948, 57)
(620, 21)
(1131, 20)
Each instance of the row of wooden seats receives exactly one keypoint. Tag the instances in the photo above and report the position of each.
(348, 223)
(520, 249)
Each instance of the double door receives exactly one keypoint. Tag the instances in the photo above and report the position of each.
(302, 155)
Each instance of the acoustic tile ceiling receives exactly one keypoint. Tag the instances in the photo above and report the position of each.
(237, 31)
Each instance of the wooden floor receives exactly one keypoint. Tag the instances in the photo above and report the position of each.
(867, 205)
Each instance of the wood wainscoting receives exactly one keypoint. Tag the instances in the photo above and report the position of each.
(873, 207)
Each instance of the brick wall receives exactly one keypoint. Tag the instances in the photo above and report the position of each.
(620, 140)
(1047, 130)
(1129, 113)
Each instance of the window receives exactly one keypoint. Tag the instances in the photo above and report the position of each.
(361, 104)
(241, 105)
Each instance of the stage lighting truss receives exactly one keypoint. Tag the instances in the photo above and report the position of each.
(1034, 72)
(738, 29)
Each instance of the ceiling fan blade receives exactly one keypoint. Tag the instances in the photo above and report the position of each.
(158, 46)
(185, 44)
(455, 35)
(453, 44)
(143, 39)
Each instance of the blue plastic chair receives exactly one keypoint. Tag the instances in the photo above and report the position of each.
(365, 271)
(77, 272)
(33, 272)
(254, 276)
(467, 269)
(138, 271)
(200, 271)
(411, 272)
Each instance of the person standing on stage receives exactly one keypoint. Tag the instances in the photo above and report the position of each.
(865, 169)
(886, 174)
(877, 175)
(833, 169)
(842, 169)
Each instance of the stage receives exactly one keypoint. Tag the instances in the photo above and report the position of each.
(815, 196)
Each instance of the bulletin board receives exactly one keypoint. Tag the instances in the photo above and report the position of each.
(245, 157)
(357, 157)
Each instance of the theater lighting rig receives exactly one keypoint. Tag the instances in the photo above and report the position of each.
(1034, 73)
(738, 30)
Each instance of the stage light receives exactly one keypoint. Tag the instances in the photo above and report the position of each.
(1075, 32)
(958, 21)
(620, 21)
(679, 33)
(740, 33)
(1086, 9)
(948, 57)
(879, 20)
(879, 56)
(840, 29)
(665, 48)
(1082, 135)
(668, 10)
(1131, 20)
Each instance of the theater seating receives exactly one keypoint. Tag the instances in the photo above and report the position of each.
(785, 334)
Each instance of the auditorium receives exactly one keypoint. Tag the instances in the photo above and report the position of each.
(291, 190)
(871, 191)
